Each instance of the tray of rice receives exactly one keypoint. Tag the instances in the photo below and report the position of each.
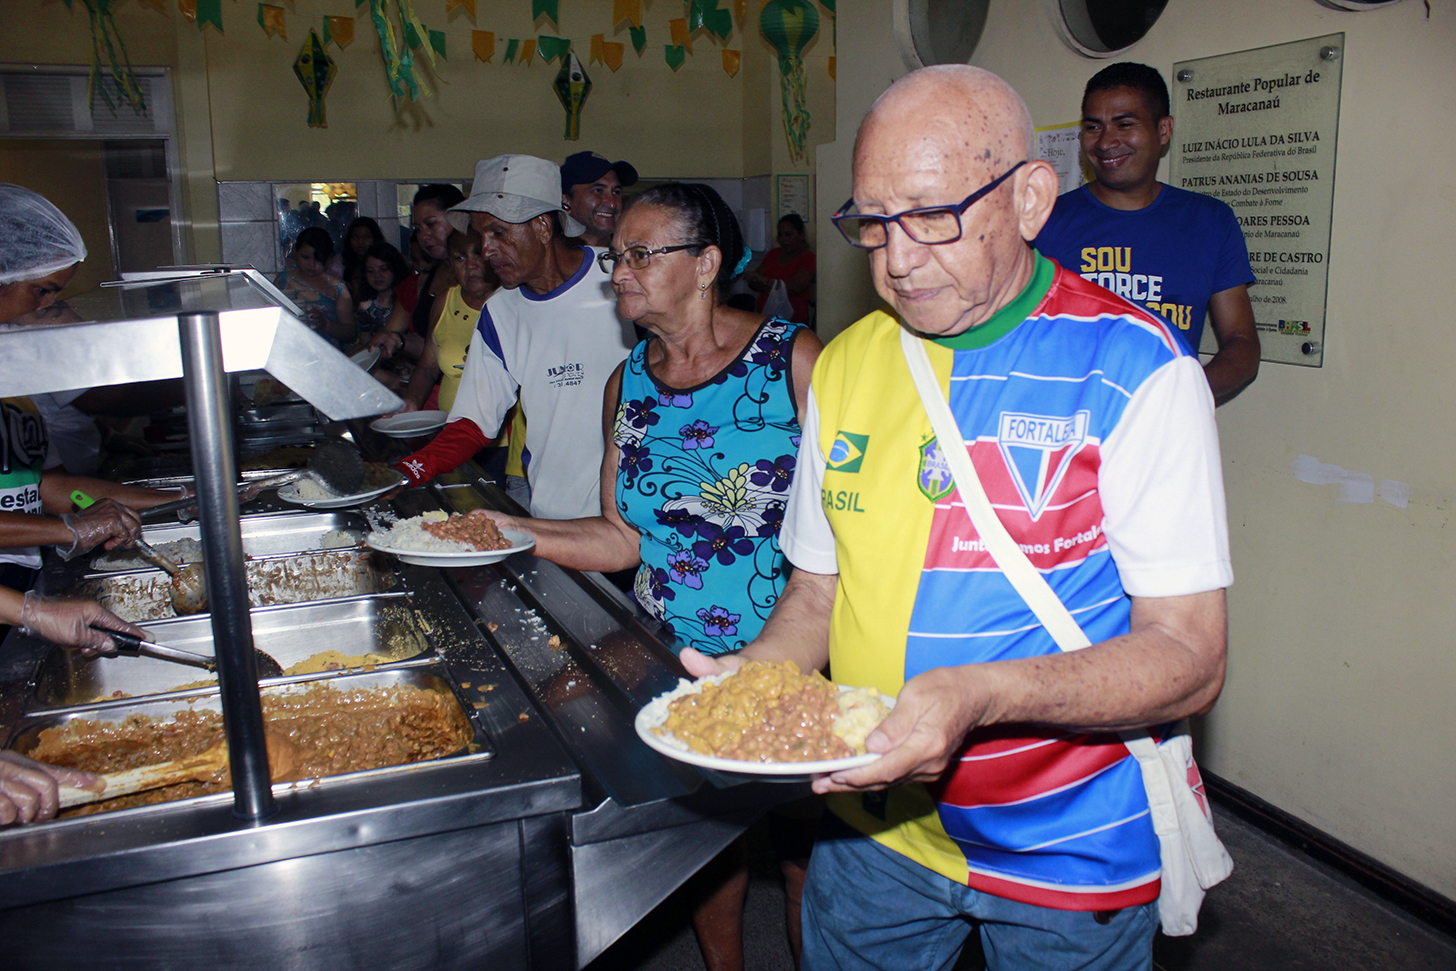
(765, 719)
(438, 539)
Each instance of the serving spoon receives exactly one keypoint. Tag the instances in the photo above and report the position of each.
(132, 646)
(208, 766)
(189, 587)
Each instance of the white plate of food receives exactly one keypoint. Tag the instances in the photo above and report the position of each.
(861, 709)
(411, 542)
(410, 424)
(366, 358)
(311, 494)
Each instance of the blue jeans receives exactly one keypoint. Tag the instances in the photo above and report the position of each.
(867, 907)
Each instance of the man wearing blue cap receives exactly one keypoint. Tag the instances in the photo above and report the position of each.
(591, 190)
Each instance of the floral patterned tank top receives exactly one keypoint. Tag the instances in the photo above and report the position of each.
(704, 476)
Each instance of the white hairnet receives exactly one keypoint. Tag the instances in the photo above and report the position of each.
(36, 238)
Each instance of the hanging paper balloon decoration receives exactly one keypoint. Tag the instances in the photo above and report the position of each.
(572, 87)
(789, 25)
(315, 70)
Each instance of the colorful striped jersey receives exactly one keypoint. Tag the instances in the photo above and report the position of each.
(1092, 431)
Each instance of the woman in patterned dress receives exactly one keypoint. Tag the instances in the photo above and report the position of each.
(702, 431)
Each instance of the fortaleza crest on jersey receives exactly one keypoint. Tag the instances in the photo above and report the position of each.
(1038, 450)
(934, 477)
(847, 452)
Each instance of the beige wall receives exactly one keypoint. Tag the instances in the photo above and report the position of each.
(241, 113)
(73, 176)
(1338, 706)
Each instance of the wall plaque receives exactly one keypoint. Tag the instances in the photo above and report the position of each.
(1257, 129)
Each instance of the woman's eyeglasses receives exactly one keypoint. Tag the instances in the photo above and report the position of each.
(930, 226)
(637, 257)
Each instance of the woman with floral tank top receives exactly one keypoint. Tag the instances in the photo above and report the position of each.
(702, 431)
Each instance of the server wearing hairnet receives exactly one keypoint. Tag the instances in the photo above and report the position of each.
(39, 251)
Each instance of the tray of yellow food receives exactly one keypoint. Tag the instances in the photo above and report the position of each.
(765, 719)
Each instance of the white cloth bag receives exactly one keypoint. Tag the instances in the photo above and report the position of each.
(1193, 858)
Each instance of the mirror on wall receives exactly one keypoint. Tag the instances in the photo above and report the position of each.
(939, 31)
(330, 206)
(1103, 28)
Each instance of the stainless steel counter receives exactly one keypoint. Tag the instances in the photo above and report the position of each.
(539, 857)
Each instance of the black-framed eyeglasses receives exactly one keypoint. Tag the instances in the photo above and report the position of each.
(931, 225)
(637, 257)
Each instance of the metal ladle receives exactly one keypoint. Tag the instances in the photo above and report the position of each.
(189, 587)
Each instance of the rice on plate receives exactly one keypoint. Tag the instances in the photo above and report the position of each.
(410, 534)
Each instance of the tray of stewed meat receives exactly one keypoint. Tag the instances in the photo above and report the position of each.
(437, 539)
(765, 719)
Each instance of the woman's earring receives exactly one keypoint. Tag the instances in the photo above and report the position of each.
(703, 291)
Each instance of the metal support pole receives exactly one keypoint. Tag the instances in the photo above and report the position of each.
(209, 421)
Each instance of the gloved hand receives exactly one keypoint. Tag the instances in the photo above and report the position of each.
(249, 492)
(28, 789)
(107, 523)
(67, 622)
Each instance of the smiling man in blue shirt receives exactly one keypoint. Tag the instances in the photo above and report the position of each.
(1180, 254)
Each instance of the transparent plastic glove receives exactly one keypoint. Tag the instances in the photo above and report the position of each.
(249, 492)
(28, 789)
(68, 622)
(188, 512)
(107, 523)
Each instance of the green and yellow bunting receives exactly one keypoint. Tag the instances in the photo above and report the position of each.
(482, 44)
(271, 19)
(548, 7)
(552, 47)
(339, 30)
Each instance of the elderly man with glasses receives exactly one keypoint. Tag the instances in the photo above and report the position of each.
(551, 334)
(1003, 797)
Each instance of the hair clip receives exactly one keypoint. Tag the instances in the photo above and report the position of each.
(742, 263)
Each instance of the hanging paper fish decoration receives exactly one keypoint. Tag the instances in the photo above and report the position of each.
(315, 70)
(572, 87)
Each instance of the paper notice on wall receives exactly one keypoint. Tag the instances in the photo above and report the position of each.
(1061, 145)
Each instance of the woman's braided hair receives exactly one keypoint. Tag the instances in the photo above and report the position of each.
(705, 220)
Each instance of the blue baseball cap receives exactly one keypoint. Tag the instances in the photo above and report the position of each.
(586, 167)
